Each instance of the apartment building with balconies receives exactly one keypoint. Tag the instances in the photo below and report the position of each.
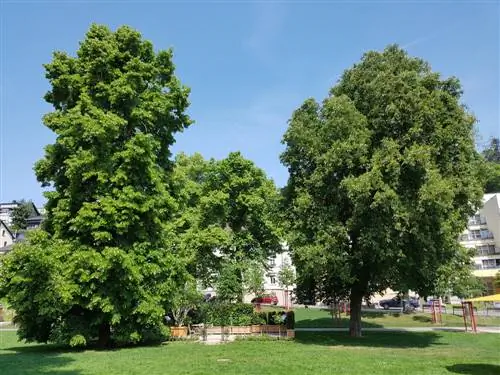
(483, 234)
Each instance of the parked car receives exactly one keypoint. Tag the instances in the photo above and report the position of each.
(266, 299)
(397, 302)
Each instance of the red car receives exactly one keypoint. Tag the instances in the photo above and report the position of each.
(266, 299)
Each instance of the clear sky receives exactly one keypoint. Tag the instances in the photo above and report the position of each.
(249, 64)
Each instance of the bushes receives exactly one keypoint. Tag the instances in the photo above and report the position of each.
(224, 314)
(241, 314)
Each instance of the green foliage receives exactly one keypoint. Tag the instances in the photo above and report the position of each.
(497, 280)
(185, 300)
(21, 213)
(229, 284)
(227, 213)
(455, 278)
(107, 265)
(383, 177)
(469, 288)
(221, 313)
(492, 168)
(492, 152)
(286, 276)
(253, 277)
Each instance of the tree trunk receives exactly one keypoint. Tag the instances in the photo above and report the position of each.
(355, 319)
(104, 336)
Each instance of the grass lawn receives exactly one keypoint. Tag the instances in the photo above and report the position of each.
(311, 353)
(321, 318)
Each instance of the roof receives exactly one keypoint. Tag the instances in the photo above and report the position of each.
(15, 204)
(492, 298)
(35, 218)
(8, 229)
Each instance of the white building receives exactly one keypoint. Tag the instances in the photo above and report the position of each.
(7, 238)
(6, 212)
(483, 234)
(271, 280)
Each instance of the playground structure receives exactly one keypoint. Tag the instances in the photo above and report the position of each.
(436, 311)
(468, 310)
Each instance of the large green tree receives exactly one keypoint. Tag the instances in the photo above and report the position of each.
(117, 105)
(383, 175)
(228, 213)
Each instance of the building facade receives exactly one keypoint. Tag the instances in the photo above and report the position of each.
(7, 238)
(271, 278)
(7, 235)
(483, 235)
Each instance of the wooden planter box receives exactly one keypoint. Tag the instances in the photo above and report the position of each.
(234, 330)
(217, 330)
(290, 333)
(255, 328)
(179, 331)
(266, 328)
(241, 330)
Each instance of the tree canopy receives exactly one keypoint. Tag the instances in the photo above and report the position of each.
(21, 213)
(228, 213)
(492, 170)
(108, 257)
(383, 176)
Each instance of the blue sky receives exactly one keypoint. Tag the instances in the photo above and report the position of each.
(249, 65)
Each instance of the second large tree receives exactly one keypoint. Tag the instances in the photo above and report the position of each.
(383, 175)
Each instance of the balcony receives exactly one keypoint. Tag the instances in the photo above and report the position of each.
(477, 235)
(490, 266)
(472, 223)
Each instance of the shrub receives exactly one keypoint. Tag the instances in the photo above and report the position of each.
(290, 320)
(220, 313)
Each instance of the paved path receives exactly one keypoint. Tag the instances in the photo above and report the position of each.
(401, 329)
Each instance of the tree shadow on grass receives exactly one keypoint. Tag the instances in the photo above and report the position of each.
(422, 319)
(370, 339)
(474, 369)
(34, 360)
(328, 322)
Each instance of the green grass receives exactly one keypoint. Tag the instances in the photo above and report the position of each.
(321, 318)
(311, 353)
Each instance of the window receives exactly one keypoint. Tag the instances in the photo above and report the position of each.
(491, 263)
(477, 220)
(486, 234)
(474, 235)
(3, 232)
(4, 243)
(273, 280)
(485, 250)
(272, 262)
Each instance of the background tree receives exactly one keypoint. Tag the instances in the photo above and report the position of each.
(186, 300)
(229, 213)
(387, 169)
(286, 278)
(117, 106)
(492, 170)
(253, 278)
(229, 286)
(455, 277)
(21, 213)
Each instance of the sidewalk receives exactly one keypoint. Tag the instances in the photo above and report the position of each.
(402, 329)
